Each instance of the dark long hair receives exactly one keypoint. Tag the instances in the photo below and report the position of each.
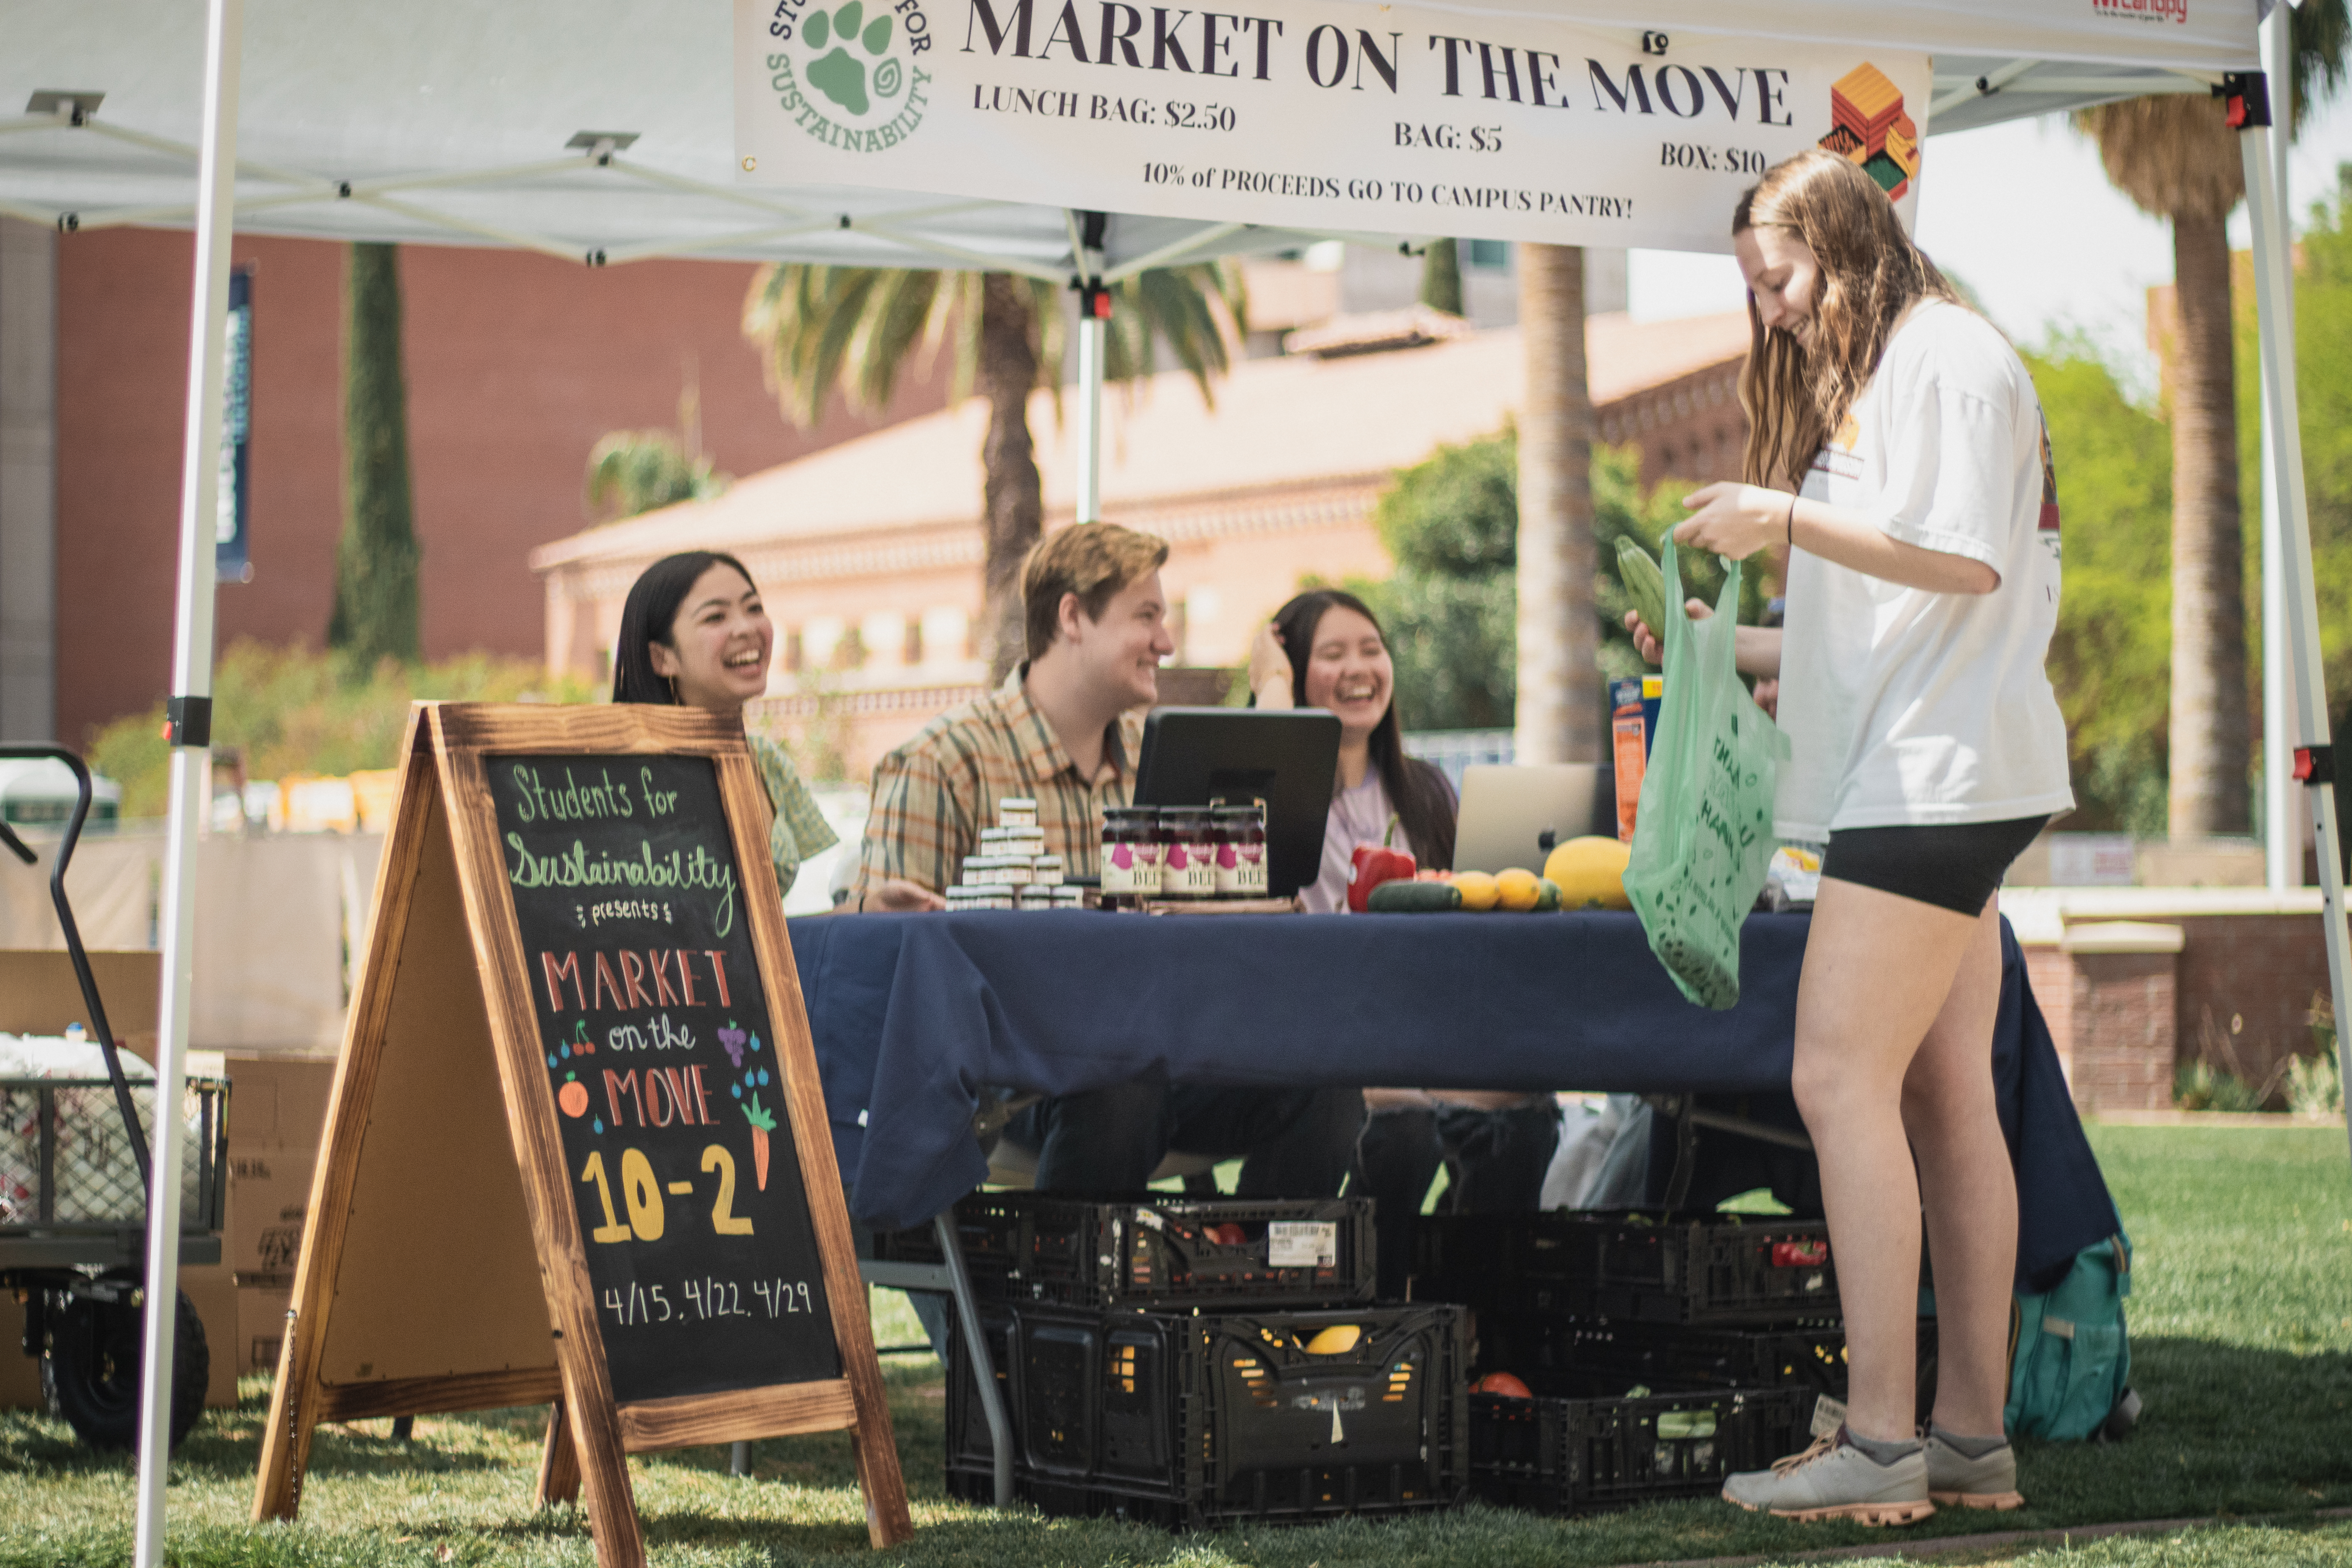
(1417, 791)
(648, 615)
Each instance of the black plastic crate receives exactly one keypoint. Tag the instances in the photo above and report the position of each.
(1575, 1455)
(1569, 1359)
(1653, 1266)
(1045, 1247)
(1196, 1421)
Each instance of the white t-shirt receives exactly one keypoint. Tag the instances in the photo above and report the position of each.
(1903, 705)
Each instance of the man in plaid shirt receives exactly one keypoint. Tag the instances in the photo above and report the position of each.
(1064, 730)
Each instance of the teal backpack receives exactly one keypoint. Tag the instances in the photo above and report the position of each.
(2069, 1357)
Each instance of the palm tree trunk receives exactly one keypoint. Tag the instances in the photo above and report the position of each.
(2211, 720)
(1013, 499)
(376, 613)
(1559, 709)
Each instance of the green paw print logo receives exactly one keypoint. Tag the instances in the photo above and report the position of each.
(841, 75)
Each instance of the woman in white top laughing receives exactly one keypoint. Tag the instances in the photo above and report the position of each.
(1324, 650)
(1896, 452)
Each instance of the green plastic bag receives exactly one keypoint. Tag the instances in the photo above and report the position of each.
(1704, 835)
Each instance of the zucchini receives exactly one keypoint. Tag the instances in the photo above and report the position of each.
(1644, 585)
(1548, 896)
(1407, 897)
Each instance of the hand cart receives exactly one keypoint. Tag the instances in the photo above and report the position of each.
(74, 1180)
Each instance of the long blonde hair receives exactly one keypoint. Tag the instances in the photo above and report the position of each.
(1871, 273)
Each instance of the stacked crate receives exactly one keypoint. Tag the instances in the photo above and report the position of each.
(1665, 1351)
(1199, 1363)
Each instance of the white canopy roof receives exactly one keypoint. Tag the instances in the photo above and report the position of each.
(603, 129)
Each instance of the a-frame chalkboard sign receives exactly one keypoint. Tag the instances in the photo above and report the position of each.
(577, 1151)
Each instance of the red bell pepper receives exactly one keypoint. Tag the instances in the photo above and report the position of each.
(1373, 864)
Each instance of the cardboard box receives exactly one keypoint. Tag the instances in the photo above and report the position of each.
(277, 1117)
(277, 1101)
(260, 1328)
(269, 1201)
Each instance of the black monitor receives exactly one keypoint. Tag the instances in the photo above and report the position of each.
(1288, 758)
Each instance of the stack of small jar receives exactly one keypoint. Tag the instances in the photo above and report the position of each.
(1012, 870)
(1168, 853)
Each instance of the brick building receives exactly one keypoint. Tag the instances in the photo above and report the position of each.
(516, 364)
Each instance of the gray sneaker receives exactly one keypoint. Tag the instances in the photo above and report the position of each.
(1834, 1479)
(1955, 1480)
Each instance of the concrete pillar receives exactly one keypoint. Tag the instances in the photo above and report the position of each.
(28, 480)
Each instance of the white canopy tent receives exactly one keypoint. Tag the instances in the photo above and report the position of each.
(604, 131)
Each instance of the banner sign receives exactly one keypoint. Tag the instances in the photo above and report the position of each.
(1314, 114)
(231, 562)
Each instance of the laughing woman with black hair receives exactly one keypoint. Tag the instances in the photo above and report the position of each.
(1325, 649)
(694, 634)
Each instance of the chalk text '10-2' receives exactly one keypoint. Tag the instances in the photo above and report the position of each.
(642, 1194)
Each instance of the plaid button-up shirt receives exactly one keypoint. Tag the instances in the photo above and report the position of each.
(933, 794)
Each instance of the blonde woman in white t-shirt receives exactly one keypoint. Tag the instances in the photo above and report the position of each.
(1895, 452)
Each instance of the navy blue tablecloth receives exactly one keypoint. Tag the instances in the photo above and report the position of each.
(913, 1013)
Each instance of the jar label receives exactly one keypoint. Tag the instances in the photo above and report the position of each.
(1190, 870)
(1132, 868)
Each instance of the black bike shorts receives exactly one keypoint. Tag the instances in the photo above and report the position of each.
(1956, 867)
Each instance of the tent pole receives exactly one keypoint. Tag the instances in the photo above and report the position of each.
(191, 736)
(2274, 280)
(1086, 231)
(2282, 813)
(1091, 328)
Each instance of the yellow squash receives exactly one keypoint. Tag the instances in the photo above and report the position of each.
(1477, 889)
(1591, 873)
(1519, 889)
(1337, 1339)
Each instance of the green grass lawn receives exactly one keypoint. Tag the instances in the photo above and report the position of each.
(2242, 1328)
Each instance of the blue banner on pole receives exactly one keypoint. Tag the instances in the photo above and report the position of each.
(235, 508)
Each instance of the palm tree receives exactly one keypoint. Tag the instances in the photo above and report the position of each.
(1441, 277)
(1560, 710)
(2176, 158)
(633, 471)
(854, 329)
(376, 614)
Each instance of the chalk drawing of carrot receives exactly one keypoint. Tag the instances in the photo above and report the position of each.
(762, 1123)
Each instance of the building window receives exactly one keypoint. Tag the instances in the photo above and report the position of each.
(947, 634)
(914, 655)
(1491, 254)
(880, 635)
(792, 651)
(819, 640)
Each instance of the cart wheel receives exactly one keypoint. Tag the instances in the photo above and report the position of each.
(89, 1369)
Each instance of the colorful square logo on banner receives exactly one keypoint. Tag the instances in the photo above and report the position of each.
(1868, 126)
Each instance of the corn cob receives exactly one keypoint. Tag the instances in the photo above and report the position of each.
(1644, 585)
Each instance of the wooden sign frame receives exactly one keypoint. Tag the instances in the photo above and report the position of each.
(443, 1267)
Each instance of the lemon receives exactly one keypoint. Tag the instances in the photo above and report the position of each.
(1591, 873)
(1337, 1339)
(1477, 889)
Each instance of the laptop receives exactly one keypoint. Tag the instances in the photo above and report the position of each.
(1514, 815)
